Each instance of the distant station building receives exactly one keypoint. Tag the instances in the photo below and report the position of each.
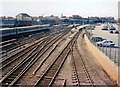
(64, 19)
(23, 19)
(108, 19)
(50, 20)
(94, 20)
(75, 19)
(36, 21)
(7, 22)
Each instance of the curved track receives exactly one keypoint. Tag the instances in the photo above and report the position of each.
(11, 77)
(13, 44)
(81, 75)
(10, 62)
(51, 72)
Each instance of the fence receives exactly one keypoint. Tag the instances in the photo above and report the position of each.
(110, 51)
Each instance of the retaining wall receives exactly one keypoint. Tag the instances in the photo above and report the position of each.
(110, 68)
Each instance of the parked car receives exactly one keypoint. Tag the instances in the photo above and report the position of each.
(106, 43)
(111, 31)
(114, 31)
(111, 27)
(105, 28)
(117, 32)
(97, 38)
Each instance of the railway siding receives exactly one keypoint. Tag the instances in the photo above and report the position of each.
(51, 72)
(48, 46)
(11, 77)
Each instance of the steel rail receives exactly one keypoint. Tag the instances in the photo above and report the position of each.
(82, 65)
(60, 59)
(19, 71)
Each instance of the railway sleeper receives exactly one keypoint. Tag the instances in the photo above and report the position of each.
(48, 77)
(84, 81)
(82, 77)
(74, 81)
(73, 76)
(46, 81)
(85, 84)
(8, 81)
(74, 72)
(13, 76)
(51, 74)
(55, 68)
(16, 72)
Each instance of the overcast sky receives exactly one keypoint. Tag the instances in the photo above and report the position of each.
(83, 8)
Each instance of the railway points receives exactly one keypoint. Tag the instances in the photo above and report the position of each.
(43, 59)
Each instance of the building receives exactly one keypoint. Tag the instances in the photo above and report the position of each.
(95, 19)
(108, 19)
(7, 22)
(23, 19)
(50, 20)
(36, 21)
(75, 19)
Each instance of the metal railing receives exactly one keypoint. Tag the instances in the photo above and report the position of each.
(110, 51)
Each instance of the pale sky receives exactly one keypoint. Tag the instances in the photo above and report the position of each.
(84, 8)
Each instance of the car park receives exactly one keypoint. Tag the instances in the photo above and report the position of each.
(117, 32)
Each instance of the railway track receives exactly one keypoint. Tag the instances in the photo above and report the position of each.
(80, 75)
(44, 58)
(51, 51)
(11, 77)
(24, 51)
(10, 45)
(6, 44)
(20, 52)
(52, 71)
(21, 67)
(20, 56)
